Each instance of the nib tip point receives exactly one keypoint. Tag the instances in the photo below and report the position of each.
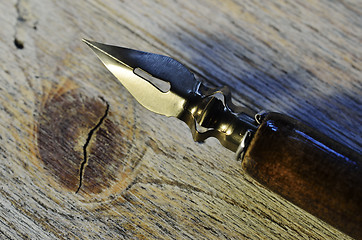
(86, 41)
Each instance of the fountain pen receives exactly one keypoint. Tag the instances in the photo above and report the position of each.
(283, 154)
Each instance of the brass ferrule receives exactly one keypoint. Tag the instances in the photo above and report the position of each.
(209, 114)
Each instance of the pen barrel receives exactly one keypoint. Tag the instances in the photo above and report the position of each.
(309, 169)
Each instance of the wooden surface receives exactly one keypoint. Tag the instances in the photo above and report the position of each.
(143, 176)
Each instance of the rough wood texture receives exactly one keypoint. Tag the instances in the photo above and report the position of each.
(143, 176)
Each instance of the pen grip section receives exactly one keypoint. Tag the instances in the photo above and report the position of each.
(309, 169)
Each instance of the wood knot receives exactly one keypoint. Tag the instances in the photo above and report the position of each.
(82, 146)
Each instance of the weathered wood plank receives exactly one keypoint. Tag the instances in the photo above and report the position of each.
(144, 176)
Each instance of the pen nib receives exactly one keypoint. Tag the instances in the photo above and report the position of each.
(123, 63)
(165, 86)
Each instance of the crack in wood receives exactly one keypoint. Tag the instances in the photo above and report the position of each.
(85, 146)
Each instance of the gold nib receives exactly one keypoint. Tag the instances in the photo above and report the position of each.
(165, 86)
(149, 96)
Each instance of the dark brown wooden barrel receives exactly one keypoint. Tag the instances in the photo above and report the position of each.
(309, 169)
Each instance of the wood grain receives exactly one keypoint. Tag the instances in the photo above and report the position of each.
(144, 177)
